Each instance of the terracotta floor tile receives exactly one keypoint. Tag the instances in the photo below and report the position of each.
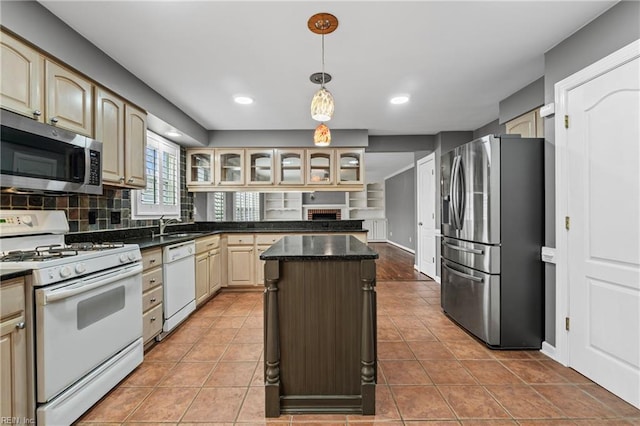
(149, 373)
(232, 374)
(488, 422)
(448, 372)
(165, 404)
(418, 333)
(205, 351)
(534, 371)
(445, 333)
(220, 336)
(188, 374)
(254, 322)
(570, 374)
(249, 335)
(574, 402)
(216, 405)
(522, 355)
(490, 372)
(421, 403)
(385, 408)
(394, 350)
(404, 373)
(253, 407)
(619, 406)
(164, 351)
(468, 349)
(319, 419)
(243, 352)
(546, 423)
(472, 402)
(430, 350)
(258, 374)
(117, 405)
(187, 334)
(523, 402)
(229, 321)
(389, 335)
(406, 321)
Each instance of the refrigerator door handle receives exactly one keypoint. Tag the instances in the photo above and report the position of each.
(453, 191)
(464, 249)
(462, 193)
(462, 274)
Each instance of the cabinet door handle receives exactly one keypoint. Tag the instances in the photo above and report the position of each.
(153, 299)
(153, 319)
(152, 261)
(152, 280)
(20, 325)
(54, 120)
(37, 113)
(130, 180)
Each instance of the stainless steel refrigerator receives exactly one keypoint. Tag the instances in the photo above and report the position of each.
(492, 200)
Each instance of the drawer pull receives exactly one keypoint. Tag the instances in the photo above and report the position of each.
(153, 319)
(153, 299)
(152, 280)
(20, 325)
(152, 261)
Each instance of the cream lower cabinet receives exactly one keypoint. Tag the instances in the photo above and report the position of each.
(240, 260)
(263, 242)
(208, 271)
(152, 293)
(13, 351)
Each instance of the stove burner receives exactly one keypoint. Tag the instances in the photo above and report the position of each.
(88, 246)
(40, 253)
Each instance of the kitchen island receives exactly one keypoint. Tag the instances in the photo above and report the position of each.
(320, 326)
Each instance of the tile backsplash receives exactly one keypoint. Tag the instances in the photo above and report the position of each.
(78, 206)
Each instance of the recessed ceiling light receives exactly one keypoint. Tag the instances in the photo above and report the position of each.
(173, 134)
(399, 100)
(243, 100)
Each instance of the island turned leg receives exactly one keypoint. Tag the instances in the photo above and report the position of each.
(367, 348)
(272, 340)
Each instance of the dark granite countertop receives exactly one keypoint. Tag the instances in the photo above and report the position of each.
(143, 236)
(319, 247)
(8, 273)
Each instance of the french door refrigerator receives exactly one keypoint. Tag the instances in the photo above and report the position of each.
(492, 200)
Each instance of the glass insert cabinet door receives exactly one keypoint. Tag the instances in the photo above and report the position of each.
(229, 167)
(290, 167)
(260, 166)
(350, 169)
(320, 165)
(200, 169)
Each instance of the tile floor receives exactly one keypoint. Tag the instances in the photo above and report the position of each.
(430, 371)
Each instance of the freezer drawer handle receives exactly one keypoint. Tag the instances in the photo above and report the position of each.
(463, 275)
(467, 250)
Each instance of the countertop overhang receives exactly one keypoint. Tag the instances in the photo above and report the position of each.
(318, 247)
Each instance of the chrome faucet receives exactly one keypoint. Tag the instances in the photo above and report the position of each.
(164, 223)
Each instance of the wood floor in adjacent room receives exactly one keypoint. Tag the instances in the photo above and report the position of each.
(430, 371)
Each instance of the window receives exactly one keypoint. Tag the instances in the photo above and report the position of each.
(162, 194)
(246, 206)
(219, 206)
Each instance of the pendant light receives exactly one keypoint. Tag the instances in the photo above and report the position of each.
(322, 136)
(322, 105)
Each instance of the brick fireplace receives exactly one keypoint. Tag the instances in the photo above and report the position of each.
(324, 214)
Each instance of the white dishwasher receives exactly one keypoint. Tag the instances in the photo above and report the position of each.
(178, 268)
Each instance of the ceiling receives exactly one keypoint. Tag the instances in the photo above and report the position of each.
(456, 60)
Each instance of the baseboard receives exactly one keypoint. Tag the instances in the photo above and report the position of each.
(548, 350)
(401, 246)
(437, 279)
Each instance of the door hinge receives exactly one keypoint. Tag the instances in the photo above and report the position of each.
(566, 323)
(433, 172)
(433, 259)
(566, 121)
(567, 222)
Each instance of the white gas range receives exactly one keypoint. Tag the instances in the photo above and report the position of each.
(83, 310)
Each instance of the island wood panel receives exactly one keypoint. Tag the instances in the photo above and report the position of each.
(319, 342)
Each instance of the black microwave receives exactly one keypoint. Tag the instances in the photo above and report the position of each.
(40, 158)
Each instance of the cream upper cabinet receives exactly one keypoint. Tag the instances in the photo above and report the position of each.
(69, 100)
(135, 136)
(200, 170)
(13, 351)
(230, 167)
(110, 131)
(290, 167)
(260, 170)
(529, 125)
(320, 167)
(122, 129)
(21, 71)
(349, 166)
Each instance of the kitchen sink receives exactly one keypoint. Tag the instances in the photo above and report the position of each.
(179, 235)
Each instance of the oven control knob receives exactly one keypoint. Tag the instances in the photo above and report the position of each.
(65, 271)
(81, 268)
(26, 220)
(132, 256)
(123, 258)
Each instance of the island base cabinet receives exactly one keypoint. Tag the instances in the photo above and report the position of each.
(320, 337)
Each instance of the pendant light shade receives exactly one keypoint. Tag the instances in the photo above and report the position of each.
(322, 105)
(322, 135)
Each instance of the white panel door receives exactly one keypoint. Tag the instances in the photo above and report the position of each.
(603, 242)
(427, 216)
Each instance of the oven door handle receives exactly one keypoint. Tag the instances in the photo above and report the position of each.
(86, 286)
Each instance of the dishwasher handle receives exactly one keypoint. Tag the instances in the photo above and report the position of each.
(179, 251)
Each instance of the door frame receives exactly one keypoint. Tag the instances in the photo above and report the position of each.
(562, 89)
(420, 163)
